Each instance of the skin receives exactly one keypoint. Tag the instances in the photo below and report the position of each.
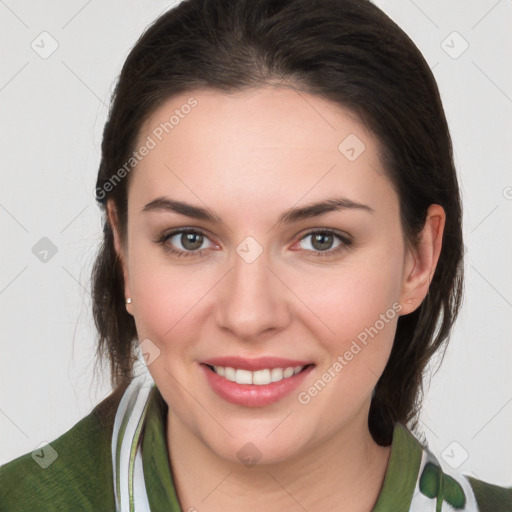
(249, 157)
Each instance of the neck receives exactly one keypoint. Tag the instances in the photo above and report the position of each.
(343, 472)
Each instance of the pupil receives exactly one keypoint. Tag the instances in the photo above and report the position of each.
(322, 241)
(191, 241)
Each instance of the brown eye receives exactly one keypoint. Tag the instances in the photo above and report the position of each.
(191, 241)
(322, 241)
(184, 242)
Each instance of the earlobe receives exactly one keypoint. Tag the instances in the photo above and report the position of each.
(118, 246)
(421, 260)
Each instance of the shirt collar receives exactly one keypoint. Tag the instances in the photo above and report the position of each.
(402, 472)
(157, 472)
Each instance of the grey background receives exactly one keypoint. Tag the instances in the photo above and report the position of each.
(52, 115)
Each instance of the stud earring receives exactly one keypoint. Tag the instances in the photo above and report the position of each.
(128, 300)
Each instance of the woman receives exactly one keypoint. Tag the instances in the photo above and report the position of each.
(283, 246)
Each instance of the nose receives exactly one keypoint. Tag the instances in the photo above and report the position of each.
(253, 300)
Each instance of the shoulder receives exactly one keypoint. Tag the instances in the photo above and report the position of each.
(72, 472)
(440, 487)
(461, 492)
(491, 498)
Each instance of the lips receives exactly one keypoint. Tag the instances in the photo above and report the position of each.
(254, 382)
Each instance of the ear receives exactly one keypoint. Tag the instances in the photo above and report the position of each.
(119, 248)
(421, 260)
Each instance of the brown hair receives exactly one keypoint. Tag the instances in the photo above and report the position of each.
(347, 51)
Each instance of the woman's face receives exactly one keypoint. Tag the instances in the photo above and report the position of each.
(261, 280)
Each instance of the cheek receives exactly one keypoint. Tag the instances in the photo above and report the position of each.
(358, 304)
(166, 299)
(362, 311)
(171, 299)
(351, 298)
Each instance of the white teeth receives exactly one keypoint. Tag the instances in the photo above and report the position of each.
(259, 377)
(230, 373)
(276, 374)
(243, 377)
(288, 372)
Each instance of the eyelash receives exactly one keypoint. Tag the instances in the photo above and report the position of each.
(345, 244)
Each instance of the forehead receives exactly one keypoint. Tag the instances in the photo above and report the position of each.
(271, 116)
(258, 144)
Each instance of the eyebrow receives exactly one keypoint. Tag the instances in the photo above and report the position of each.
(165, 204)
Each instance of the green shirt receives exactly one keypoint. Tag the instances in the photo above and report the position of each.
(74, 472)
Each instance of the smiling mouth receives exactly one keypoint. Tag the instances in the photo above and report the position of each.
(259, 377)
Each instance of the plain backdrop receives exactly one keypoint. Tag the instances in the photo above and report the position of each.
(53, 108)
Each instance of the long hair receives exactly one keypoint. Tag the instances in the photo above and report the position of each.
(346, 51)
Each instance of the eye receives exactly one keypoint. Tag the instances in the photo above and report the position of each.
(184, 242)
(325, 241)
(191, 242)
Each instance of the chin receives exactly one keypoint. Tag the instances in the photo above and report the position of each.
(252, 452)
